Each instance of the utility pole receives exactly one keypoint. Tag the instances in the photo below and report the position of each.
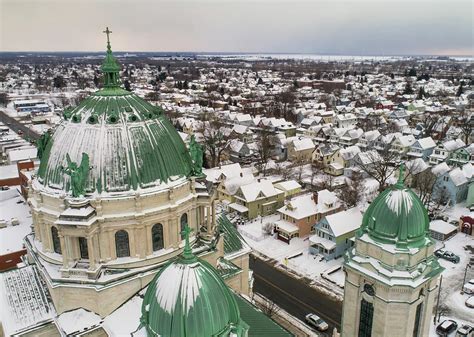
(437, 301)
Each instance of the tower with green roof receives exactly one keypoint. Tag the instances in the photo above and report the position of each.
(391, 273)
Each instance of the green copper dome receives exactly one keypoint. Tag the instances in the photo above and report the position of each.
(187, 298)
(397, 216)
(129, 143)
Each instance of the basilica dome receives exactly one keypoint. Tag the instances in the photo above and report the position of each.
(188, 298)
(397, 216)
(129, 144)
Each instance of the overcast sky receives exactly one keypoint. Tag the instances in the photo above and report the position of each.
(350, 27)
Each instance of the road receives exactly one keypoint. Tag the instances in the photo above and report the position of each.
(16, 126)
(293, 295)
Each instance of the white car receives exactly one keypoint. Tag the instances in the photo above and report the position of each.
(470, 302)
(316, 322)
(468, 288)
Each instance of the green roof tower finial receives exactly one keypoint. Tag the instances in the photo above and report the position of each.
(187, 252)
(401, 174)
(110, 67)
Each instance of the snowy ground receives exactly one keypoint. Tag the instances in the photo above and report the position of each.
(451, 300)
(12, 208)
(307, 265)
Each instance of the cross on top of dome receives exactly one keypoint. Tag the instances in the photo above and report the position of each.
(187, 251)
(110, 67)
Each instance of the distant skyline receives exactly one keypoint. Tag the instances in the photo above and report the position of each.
(343, 27)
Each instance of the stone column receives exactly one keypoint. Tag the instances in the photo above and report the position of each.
(91, 252)
(209, 219)
(147, 234)
(112, 252)
(131, 242)
(63, 251)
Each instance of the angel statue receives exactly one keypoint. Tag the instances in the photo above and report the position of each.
(195, 149)
(42, 143)
(78, 174)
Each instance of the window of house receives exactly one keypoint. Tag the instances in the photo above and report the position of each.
(366, 318)
(183, 223)
(122, 245)
(157, 237)
(56, 241)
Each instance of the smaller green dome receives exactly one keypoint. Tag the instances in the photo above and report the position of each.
(397, 216)
(187, 298)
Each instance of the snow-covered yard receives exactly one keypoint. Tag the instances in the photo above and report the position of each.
(294, 255)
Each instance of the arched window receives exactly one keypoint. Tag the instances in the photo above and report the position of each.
(157, 237)
(184, 222)
(56, 241)
(122, 246)
(365, 320)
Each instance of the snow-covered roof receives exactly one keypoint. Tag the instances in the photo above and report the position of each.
(75, 321)
(442, 227)
(426, 143)
(345, 221)
(288, 185)
(264, 188)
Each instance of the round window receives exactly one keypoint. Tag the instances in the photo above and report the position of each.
(369, 289)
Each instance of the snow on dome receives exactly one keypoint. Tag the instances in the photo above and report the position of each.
(187, 281)
(398, 201)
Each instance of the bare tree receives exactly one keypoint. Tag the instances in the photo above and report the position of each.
(298, 168)
(424, 182)
(216, 140)
(265, 145)
(269, 308)
(327, 183)
(352, 193)
(378, 165)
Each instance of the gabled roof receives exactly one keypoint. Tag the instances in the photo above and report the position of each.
(345, 221)
(426, 143)
(251, 192)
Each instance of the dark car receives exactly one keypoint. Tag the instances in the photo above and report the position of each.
(465, 331)
(446, 327)
(447, 255)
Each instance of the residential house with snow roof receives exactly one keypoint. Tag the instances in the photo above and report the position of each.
(346, 120)
(350, 137)
(334, 233)
(402, 145)
(259, 198)
(290, 187)
(300, 148)
(452, 186)
(442, 152)
(329, 158)
(368, 139)
(300, 213)
(461, 156)
(422, 148)
(240, 152)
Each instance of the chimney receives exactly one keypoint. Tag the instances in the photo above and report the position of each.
(241, 174)
(258, 180)
(315, 197)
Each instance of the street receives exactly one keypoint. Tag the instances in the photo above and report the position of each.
(16, 126)
(293, 295)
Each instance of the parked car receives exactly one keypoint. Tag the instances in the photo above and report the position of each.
(316, 322)
(465, 331)
(470, 302)
(468, 288)
(447, 255)
(446, 327)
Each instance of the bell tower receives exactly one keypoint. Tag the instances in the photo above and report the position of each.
(391, 273)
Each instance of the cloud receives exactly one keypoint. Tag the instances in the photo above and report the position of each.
(380, 27)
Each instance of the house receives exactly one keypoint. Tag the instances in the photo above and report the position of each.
(350, 137)
(441, 230)
(459, 157)
(452, 186)
(368, 139)
(301, 212)
(329, 158)
(346, 120)
(334, 233)
(442, 152)
(402, 144)
(289, 187)
(240, 152)
(300, 149)
(259, 198)
(228, 179)
(422, 148)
